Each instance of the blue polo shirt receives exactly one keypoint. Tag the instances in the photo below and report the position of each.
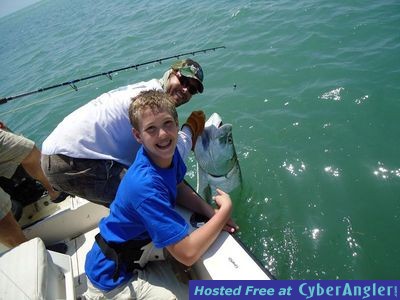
(144, 207)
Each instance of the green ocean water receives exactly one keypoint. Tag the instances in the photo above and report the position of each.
(311, 88)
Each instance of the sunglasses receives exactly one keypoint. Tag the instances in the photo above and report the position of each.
(185, 82)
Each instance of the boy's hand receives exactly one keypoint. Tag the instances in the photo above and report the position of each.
(196, 122)
(223, 200)
(231, 226)
(224, 203)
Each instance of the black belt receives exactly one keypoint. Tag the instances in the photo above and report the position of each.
(126, 253)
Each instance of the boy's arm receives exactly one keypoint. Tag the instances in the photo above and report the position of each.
(192, 247)
(189, 199)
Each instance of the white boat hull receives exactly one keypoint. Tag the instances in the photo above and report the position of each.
(75, 220)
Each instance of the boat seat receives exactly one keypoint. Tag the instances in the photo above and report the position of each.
(29, 271)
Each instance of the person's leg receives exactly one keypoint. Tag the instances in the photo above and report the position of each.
(92, 179)
(124, 291)
(32, 166)
(11, 234)
(158, 281)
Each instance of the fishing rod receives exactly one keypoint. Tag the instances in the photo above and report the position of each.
(71, 83)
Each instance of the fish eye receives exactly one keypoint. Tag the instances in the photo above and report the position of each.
(226, 139)
(229, 139)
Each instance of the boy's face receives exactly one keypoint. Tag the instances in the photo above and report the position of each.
(158, 133)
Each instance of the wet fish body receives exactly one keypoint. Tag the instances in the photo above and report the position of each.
(217, 162)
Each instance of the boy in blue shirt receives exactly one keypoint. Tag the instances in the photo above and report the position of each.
(144, 211)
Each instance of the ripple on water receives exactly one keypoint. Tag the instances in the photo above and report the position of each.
(383, 172)
(332, 95)
(333, 171)
(350, 239)
(295, 167)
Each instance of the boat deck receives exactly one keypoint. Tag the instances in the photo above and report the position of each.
(77, 250)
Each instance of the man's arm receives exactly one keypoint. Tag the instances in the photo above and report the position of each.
(184, 144)
(191, 129)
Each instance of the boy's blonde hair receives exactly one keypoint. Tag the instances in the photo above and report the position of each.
(157, 101)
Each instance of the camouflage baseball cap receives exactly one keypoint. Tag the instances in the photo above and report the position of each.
(190, 68)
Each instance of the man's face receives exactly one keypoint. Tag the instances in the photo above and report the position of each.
(181, 88)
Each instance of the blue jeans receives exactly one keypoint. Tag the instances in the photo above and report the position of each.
(95, 180)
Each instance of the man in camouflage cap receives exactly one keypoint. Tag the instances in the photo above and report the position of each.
(183, 80)
(190, 69)
(88, 153)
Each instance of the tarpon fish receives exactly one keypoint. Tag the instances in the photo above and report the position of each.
(217, 163)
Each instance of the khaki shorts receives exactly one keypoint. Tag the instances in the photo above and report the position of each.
(13, 150)
(156, 282)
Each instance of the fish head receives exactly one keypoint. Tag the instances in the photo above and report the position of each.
(214, 150)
